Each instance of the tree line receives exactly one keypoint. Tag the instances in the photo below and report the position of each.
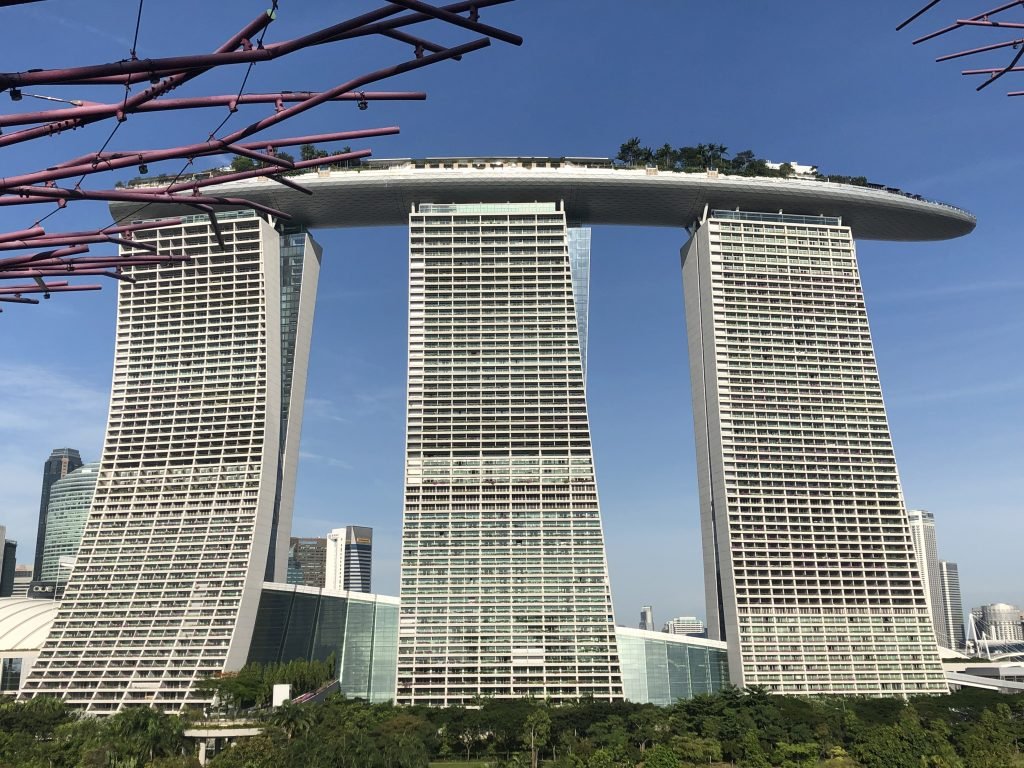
(712, 156)
(742, 729)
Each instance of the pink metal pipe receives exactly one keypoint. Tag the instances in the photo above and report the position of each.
(21, 234)
(134, 102)
(952, 27)
(981, 23)
(106, 110)
(983, 49)
(460, 21)
(213, 146)
(203, 61)
(137, 196)
(379, 74)
(258, 172)
(42, 256)
(34, 288)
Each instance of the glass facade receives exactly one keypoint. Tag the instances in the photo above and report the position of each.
(361, 630)
(10, 676)
(658, 668)
(579, 266)
(70, 499)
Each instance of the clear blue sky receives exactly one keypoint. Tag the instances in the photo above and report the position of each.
(830, 84)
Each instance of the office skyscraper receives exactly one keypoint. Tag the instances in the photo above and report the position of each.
(504, 581)
(307, 561)
(70, 500)
(61, 462)
(647, 618)
(192, 508)
(349, 558)
(952, 604)
(922, 531)
(809, 567)
(8, 555)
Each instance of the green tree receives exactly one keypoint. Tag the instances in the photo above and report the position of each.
(661, 756)
(751, 752)
(242, 163)
(293, 719)
(536, 732)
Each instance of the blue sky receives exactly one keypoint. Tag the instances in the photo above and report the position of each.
(830, 84)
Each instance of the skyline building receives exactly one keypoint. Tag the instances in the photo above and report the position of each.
(193, 502)
(307, 561)
(922, 531)
(66, 513)
(22, 580)
(647, 618)
(8, 560)
(1000, 622)
(685, 625)
(810, 573)
(61, 462)
(952, 603)
(349, 559)
(504, 581)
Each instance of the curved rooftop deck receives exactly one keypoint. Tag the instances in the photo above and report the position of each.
(382, 193)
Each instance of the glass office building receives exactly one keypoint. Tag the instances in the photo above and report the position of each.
(360, 629)
(70, 499)
(659, 668)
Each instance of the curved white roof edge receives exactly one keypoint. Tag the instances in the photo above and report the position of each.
(382, 194)
(24, 623)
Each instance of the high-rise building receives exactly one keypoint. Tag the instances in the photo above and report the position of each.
(922, 532)
(8, 555)
(61, 462)
(504, 580)
(193, 502)
(504, 587)
(1000, 622)
(647, 618)
(70, 500)
(685, 625)
(952, 604)
(307, 561)
(810, 571)
(349, 558)
(22, 580)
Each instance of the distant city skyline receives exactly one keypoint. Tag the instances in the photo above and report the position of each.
(942, 314)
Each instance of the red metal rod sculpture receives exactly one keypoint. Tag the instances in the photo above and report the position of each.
(984, 19)
(67, 253)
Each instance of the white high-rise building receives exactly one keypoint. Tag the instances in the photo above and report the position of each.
(810, 571)
(647, 618)
(684, 625)
(504, 587)
(192, 508)
(922, 531)
(349, 559)
(952, 604)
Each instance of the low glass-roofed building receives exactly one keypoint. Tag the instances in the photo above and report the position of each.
(659, 668)
(360, 629)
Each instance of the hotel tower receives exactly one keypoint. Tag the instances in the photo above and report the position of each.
(193, 502)
(504, 581)
(809, 568)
